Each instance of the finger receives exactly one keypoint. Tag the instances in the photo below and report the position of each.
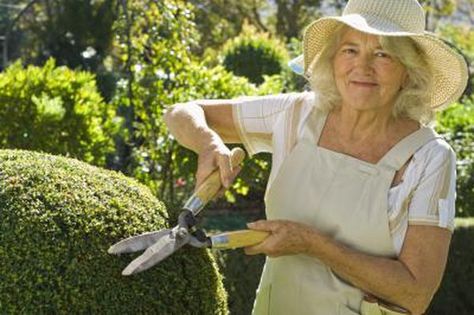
(235, 171)
(262, 225)
(220, 193)
(252, 250)
(263, 247)
(225, 168)
(205, 167)
(200, 178)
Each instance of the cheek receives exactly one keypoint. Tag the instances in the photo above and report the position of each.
(393, 76)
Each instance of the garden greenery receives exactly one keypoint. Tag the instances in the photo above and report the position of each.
(58, 218)
(59, 110)
(254, 55)
(56, 110)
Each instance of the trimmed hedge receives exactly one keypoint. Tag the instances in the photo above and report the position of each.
(58, 216)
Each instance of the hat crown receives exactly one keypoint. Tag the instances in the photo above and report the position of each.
(408, 15)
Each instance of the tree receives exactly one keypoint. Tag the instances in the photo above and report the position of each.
(74, 33)
(293, 15)
(219, 20)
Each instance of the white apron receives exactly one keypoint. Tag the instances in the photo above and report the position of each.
(341, 196)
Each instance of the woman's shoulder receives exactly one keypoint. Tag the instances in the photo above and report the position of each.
(305, 98)
(288, 97)
(434, 154)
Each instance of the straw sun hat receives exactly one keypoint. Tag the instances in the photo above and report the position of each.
(391, 18)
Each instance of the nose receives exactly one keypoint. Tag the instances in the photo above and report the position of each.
(365, 62)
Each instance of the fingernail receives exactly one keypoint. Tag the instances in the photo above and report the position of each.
(251, 224)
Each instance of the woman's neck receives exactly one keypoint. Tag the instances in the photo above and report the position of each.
(358, 126)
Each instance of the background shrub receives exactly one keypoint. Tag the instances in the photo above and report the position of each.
(456, 124)
(59, 216)
(253, 55)
(455, 295)
(56, 110)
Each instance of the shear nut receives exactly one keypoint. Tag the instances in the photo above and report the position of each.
(182, 233)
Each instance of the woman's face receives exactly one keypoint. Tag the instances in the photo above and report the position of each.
(366, 76)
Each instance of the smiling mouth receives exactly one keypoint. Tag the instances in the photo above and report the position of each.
(364, 84)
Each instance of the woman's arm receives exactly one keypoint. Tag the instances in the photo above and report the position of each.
(203, 127)
(196, 124)
(409, 281)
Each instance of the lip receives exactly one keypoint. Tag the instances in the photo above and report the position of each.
(367, 84)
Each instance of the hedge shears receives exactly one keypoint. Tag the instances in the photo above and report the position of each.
(160, 244)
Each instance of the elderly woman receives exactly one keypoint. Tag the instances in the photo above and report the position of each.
(360, 200)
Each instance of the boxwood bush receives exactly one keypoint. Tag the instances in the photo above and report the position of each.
(58, 216)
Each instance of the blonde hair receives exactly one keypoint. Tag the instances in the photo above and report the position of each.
(413, 99)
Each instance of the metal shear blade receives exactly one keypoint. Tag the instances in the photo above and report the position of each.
(159, 245)
(137, 243)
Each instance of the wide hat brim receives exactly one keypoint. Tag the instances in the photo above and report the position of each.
(450, 72)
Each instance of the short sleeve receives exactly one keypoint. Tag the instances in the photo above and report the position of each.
(256, 118)
(433, 199)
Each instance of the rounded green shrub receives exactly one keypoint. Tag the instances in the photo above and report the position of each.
(58, 216)
(253, 55)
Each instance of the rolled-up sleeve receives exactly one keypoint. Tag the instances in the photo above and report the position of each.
(433, 201)
(255, 119)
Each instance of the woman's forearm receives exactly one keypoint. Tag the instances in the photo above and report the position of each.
(383, 277)
(409, 281)
(388, 279)
(187, 123)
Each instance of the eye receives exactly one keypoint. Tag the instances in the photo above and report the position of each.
(349, 51)
(382, 54)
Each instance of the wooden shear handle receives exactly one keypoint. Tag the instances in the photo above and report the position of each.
(237, 239)
(211, 185)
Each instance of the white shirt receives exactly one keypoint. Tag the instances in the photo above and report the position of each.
(426, 195)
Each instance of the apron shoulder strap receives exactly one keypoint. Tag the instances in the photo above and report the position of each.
(297, 115)
(397, 156)
(313, 126)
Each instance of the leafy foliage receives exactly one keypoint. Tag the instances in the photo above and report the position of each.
(457, 125)
(57, 110)
(253, 55)
(158, 71)
(219, 20)
(463, 38)
(58, 218)
(75, 33)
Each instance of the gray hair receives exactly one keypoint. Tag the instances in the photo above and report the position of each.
(413, 99)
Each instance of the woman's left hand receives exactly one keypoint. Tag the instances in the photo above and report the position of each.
(286, 238)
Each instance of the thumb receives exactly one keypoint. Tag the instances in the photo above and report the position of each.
(260, 225)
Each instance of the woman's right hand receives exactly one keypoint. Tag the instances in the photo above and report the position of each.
(216, 155)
